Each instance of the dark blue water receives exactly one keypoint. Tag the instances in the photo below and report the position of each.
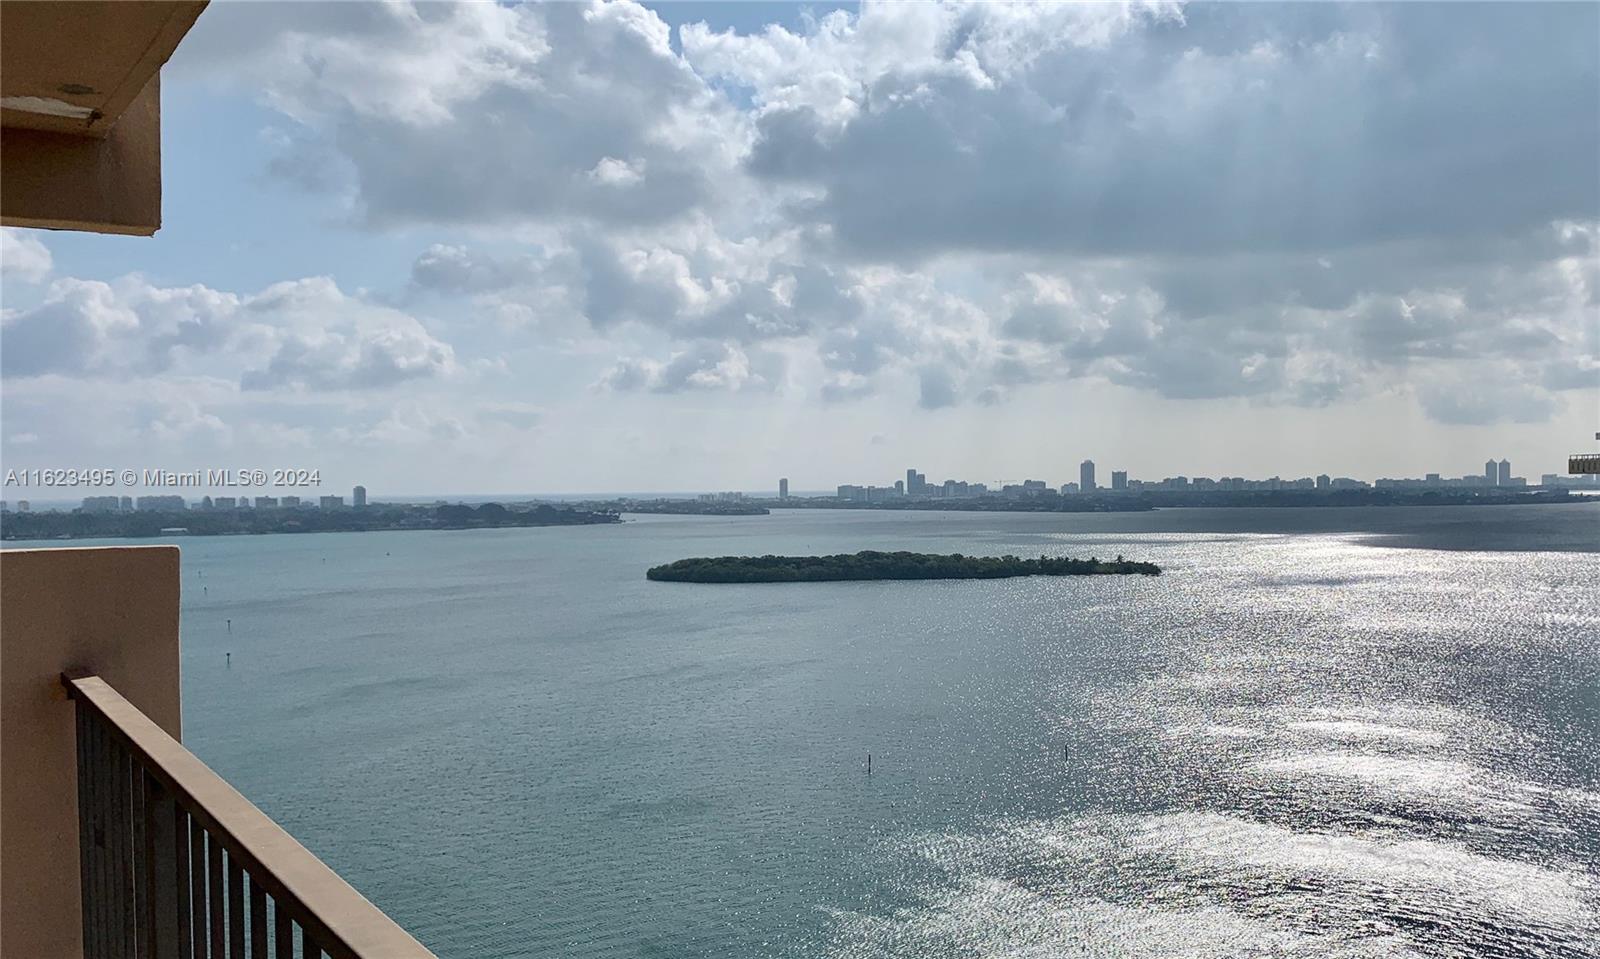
(1334, 732)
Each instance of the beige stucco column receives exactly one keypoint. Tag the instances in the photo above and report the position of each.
(109, 611)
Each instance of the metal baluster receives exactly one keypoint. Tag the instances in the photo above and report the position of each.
(85, 828)
(181, 882)
(99, 946)
(214, 875)
(235, 908)
(283, 931)
(197, 888)
(258, 920)
(162, 881)
(123, 857)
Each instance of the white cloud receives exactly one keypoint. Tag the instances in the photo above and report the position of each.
(714, 367)
(304, 334)
(483, 113)
(82, 326)
(23, 257)
(323, 339)
(1200, 202)
(614, 172)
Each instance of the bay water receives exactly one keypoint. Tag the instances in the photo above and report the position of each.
(1321, 732)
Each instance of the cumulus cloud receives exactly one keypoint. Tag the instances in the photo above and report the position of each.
(358, 359)
(411, 424)
(704, 286)
(695, 284)
(1277, 130)
(483, 113)
(456, 269)
(89, 327)
(323, 339)
(23, 257)
(302, 334)
(721, 367)
(1291, 204)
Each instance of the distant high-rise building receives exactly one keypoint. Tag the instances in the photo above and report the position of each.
(332, 502)
(916, 483)
(1491, 472)
(161, 503)
(1324, 481)
(127, 504)
(783, 488)
(101, 504)
(358, 497)
(23, 506)
(221, 502)
(268, 502)
(1086, 476)
(290, 501)
(1503, 477)
(1119, 479)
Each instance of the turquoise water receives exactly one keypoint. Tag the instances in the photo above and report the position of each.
(1320, 733)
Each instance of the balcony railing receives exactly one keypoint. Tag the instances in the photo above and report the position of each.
(176, 864)
(1583, 463)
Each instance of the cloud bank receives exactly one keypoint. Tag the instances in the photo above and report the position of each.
(944, 206)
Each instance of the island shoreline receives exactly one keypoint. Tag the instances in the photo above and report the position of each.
(876, 566)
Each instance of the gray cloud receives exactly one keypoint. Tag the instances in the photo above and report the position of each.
(708, 366)
(937, 388)
(1488, 393)
(1297, 204)
(1267, 133)
(478, 113)
(455, 269)
(519, 416)
(364, 359)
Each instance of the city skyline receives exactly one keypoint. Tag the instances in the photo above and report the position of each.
(1496, 473)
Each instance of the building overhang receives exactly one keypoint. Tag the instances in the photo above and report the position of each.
(80, 111)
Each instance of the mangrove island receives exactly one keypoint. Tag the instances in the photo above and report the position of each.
(870, 565)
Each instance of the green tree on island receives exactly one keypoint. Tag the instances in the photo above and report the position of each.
(871, 565)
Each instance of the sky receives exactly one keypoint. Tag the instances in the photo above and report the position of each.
(479, 248)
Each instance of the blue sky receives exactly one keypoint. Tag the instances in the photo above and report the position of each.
(482, 248)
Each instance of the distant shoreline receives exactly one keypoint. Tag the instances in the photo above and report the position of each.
(873, 565)
(1173, 499)
(152, 524)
